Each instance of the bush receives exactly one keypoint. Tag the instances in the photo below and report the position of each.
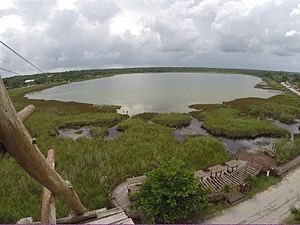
(171, 193)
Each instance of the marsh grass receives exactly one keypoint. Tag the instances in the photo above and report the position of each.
(175, 120)
(94, 165)
(286, 149)
(231, 123)
(99, 132)
(284, 107)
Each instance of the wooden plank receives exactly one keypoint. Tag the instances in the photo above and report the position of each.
(27, 220)
(80, 218)
(126, 221)
(109, 212)
(25, 113)
(48, 212)
(113, 219)
(17, 141)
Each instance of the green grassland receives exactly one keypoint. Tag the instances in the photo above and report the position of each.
(247, 117)
(94, 165)
(230, 123)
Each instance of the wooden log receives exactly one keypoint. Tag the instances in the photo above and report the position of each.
(18, 143)
(25, 113)
(48, 212)
(2, 150)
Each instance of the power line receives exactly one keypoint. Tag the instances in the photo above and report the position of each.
(21, 56)
(10, 71)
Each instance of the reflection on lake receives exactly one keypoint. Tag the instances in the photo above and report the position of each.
(85, 132)
(157, 92)
(252, 145)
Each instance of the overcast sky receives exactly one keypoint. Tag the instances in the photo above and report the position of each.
(59, 35)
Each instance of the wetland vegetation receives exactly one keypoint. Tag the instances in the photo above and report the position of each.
(95, 165)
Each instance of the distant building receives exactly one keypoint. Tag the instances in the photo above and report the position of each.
(28, 81)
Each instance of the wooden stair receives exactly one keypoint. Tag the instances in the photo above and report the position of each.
(235, 178)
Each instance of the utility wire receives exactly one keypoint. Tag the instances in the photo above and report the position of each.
(21, 56)
(10, 71)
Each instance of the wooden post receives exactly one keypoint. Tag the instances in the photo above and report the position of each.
(17, 141)
(23, 115)
(26, 112)
(48, 212)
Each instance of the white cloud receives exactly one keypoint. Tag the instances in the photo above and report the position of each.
(58, 34)
(291, 33)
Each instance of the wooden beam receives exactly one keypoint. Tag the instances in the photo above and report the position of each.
(25, 113)
(2, 150)
(100, 213)
(48, 212)
(17, 141)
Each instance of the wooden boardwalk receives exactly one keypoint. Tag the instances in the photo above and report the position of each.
(233, 174)
(233, 178)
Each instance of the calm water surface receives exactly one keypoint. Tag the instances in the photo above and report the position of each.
(157, 92)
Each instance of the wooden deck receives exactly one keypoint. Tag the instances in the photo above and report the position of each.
(234, 178)
(111, 216)
(100, 216)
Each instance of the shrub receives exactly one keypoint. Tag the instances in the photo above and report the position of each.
(171, 193)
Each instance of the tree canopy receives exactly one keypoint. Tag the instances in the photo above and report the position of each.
(171, 193)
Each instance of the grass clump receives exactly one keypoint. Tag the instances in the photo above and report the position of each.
(98, 132)
(284, 107)
(231, 123)
(174, 120)
(92, 118)
(206, 151)
(145, 116)
(286, 149)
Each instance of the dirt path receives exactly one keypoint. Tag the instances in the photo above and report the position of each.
(270, 206)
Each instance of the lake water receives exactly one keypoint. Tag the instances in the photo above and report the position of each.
(157, 92)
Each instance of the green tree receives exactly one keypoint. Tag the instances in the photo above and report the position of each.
(171, 193)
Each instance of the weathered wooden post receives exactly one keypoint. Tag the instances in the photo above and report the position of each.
(23, 115)
(18, 143)
(48, 212)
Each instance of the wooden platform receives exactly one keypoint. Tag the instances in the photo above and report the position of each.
(111, 216)
(99, 216)
(234, 178)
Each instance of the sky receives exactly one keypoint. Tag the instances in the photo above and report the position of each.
(59, 35)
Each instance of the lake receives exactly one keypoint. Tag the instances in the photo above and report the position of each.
(157, 92)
